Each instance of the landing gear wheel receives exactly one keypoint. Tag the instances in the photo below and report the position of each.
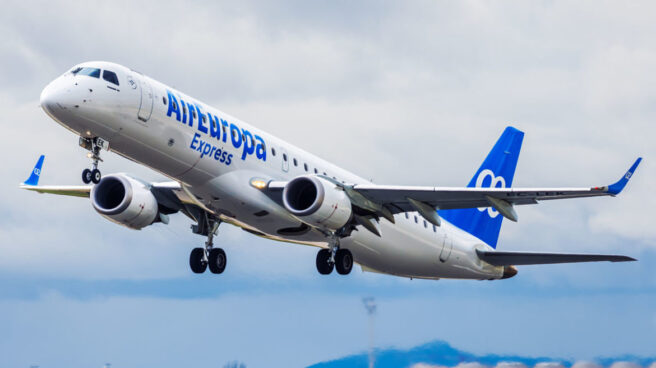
(95, 176)
(343, 261)
(86, 176)
(217, 260)
(324, 266)
(197, 260)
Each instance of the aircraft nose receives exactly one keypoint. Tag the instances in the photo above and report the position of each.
(48, 99)
(57, 97)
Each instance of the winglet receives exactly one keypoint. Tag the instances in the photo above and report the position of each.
(33, 180)
(615, 189)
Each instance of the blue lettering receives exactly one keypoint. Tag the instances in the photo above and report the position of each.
(215, 126)
(191, 114)
(206, 150)
(173, 106)
(184, 110)
(218, 128)
(194, 141)
(261, 148)
(225, 129)
(235, 133)
(249, 146)
(201, 118)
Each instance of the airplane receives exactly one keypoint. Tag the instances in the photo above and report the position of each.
(223, 170)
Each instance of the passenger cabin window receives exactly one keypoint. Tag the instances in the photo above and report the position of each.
(110, 77)
(425, 225)
(316, 171)
(295, 162)
(416, 220)
(305, 166)
(91, 72)
(164, 100)
(434, 229)
(284, 156)
(406, 215)
(273, 151)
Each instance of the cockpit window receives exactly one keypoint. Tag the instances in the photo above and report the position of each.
(110, 77)
(91, 72)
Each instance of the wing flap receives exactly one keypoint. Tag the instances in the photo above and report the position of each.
(532, 258)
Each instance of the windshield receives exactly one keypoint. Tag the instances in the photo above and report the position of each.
(91, 72)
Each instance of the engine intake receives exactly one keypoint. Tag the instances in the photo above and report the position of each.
(317, 202)
(124, 200)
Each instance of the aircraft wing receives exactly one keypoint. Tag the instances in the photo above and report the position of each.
(452, 198)
(386, 200)
(426, 200)
(32, 183)
(530, 258)
(68, 190)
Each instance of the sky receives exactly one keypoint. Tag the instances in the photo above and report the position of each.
(407, 93)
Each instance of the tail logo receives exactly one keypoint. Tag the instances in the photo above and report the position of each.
(37, 171)
(495, 182)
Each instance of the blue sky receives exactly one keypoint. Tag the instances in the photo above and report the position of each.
(404, 93)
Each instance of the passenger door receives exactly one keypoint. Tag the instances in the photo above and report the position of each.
(447, 246)
(146, 106)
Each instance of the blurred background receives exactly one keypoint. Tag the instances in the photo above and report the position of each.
(408, 93)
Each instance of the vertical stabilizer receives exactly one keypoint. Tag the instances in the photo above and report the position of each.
(497, 171)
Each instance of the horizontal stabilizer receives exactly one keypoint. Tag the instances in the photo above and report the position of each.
(530, 258)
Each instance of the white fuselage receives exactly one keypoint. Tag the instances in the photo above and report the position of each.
(135, 118)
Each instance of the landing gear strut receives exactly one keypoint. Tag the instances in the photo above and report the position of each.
(201, 258)
(93, 145)
(334, 257)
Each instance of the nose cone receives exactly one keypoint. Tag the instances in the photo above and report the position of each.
(48, 99)
(58, 99)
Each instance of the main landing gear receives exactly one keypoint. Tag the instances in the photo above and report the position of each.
(202, 258)
(93, 145)
(334, 257)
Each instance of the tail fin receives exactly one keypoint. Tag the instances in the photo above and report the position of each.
(498, 171)
(36, 173)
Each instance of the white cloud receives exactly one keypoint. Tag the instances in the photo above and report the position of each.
(586, 364)
(549, 365)
(625, 365)
(510, 365)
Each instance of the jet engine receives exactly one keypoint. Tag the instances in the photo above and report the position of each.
(317, 202)
(125, 200)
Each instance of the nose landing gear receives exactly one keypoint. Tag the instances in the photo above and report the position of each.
(93, 145)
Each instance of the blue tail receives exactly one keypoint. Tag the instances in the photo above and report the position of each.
(497, 171)
(36, 173)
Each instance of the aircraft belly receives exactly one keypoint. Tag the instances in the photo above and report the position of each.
(403, 251)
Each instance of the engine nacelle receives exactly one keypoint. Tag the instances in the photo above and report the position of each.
(317, 202)
(124, 200)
